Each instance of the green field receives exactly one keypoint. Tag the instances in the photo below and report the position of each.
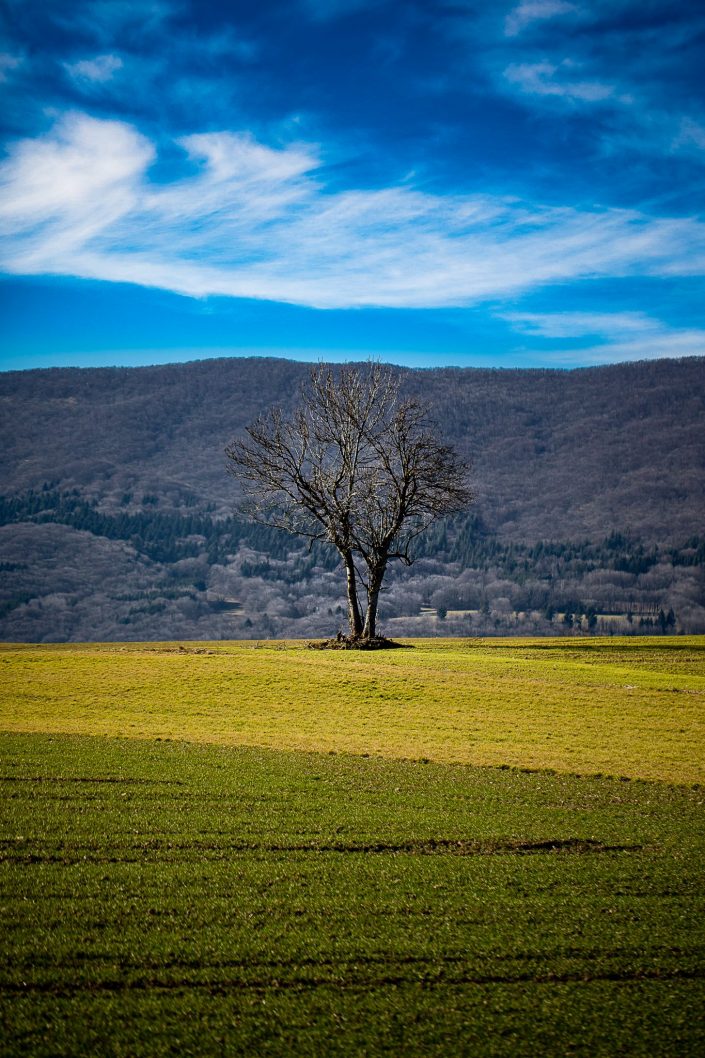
(633, 707)
(184, 891)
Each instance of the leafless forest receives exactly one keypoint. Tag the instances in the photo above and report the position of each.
(118, 520)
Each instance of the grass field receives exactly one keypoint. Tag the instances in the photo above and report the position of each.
(633, 707)
(205, 896)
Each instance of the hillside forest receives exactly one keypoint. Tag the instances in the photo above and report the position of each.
(118, 521)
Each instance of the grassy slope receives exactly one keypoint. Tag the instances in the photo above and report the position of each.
(633, 707)
(170, 899)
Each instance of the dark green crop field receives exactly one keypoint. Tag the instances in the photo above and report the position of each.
(167, 898)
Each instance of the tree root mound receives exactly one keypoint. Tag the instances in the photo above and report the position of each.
(342, 642)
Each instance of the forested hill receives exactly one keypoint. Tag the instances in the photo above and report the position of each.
(555, 454)
(116, 514)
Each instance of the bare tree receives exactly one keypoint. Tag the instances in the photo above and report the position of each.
(356, 465)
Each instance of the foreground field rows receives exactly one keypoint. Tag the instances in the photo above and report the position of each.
(171, 899)
(632, 707)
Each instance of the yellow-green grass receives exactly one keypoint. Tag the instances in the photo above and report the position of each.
(628, 706)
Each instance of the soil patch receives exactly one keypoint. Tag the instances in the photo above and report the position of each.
(342, 642)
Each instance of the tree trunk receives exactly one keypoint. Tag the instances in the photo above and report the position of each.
(354, 615)
(375, 584)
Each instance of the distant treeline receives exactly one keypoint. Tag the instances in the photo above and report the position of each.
(167, 536)
(161, 535)
(466, 541)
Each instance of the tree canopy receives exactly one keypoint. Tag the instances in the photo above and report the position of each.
(355, 464)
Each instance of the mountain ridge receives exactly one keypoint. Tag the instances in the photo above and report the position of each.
(615, 452)
(589, 438)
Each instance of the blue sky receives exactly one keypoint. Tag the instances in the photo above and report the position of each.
(505, 184)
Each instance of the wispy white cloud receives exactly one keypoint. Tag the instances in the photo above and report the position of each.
(556, 79)
(690, 134)
(534, 11)
(668, 343)
(257, 222)
(8, 62)
(583, 324)
(621, 336)
(96, 70)
(62, 191)
(634, 67)
(106, 20)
